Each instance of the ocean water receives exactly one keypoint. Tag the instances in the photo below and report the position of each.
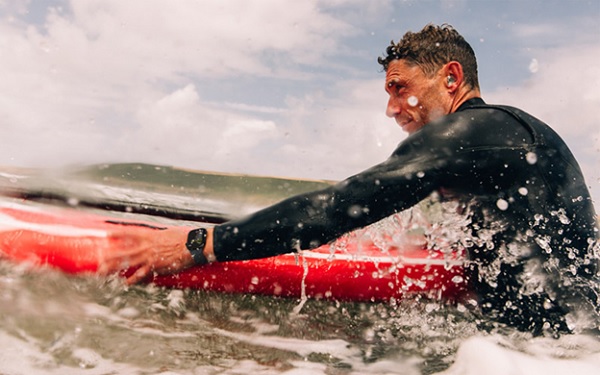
(52, 323)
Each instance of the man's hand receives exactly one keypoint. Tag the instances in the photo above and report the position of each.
(159, 252)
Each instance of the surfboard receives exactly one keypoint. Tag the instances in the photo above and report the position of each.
(73, 241)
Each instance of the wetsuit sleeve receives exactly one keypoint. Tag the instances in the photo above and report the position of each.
(309, 220)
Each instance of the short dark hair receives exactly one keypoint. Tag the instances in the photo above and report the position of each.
(433, 47)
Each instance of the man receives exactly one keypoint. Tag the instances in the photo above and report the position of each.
(532, 235)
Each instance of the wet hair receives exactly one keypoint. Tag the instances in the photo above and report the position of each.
(431, 48)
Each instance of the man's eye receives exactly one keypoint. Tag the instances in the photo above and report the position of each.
(395, 88)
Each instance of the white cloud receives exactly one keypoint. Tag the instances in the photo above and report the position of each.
(15, 6)
(104, 73)
(535, 30)
(564, 93)
(181, 129)
(205, 37)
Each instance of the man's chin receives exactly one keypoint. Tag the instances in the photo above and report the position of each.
(410, 127)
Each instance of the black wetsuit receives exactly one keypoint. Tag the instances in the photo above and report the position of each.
(513, 176)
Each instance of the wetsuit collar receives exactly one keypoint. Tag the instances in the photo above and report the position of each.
(470, 103)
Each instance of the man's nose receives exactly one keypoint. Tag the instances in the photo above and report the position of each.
(393, 108)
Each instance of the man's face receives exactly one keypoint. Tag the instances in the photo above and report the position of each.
(414, 98)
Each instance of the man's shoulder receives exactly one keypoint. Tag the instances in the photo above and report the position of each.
(498, 124)
(482, 123)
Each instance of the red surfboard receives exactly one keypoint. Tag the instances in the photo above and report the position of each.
(73, 241)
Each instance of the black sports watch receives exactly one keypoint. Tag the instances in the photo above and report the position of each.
(196, 242)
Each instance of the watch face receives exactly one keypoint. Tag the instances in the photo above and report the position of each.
(196, 239)
(195, 244)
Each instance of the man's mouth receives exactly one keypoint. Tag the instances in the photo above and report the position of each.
(404, 122)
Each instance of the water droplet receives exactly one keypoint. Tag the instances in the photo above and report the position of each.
(531, 158)
(355, 211)
(534, 66)
(369, 334)
(412, 101)
(502, 204)
(544, 243)
(431, 307)
(562, 216)
(573, 269)
(523, 191)
(457, 279)
(420, 174)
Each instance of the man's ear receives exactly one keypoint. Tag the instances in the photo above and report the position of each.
(454, 76)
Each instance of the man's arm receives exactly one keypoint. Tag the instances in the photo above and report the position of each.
(302, 222)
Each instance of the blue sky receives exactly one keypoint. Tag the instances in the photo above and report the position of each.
(288, 88)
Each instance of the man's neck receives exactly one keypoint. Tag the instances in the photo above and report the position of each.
(462, 96)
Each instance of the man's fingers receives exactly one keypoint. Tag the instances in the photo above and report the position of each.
(139, 275)
(119, 260)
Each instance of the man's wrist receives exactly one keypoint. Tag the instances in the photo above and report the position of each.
(196, 243)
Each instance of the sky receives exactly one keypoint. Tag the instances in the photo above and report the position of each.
(286, 88)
